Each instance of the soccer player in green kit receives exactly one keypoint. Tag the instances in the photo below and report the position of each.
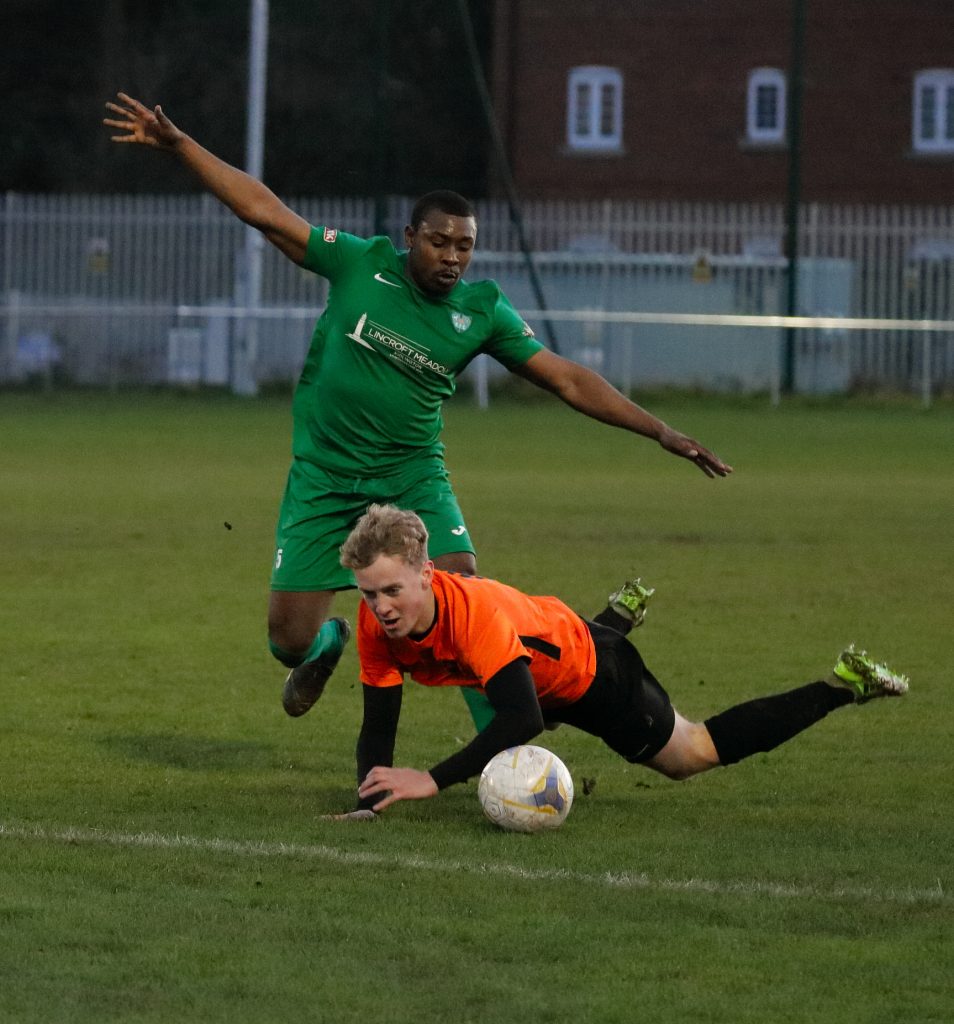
(398, 328)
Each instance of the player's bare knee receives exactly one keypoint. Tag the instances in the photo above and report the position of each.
(680, 770)
(295, 618)
(689, 751)
(293, 637)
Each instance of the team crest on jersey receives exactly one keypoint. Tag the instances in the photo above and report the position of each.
(331, 234)
(460, 321)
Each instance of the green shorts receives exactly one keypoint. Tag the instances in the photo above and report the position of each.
(319, 510)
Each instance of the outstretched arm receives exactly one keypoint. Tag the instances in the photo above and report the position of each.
(245, 196)
(591, 394)
(517, 719)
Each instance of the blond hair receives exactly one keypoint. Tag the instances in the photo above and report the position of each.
(385, 530)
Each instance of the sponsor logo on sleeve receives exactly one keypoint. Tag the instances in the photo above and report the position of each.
(528, 330)
(331, 234)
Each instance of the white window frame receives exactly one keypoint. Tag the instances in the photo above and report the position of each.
(940, 82)
(594, 109)
(766, 78)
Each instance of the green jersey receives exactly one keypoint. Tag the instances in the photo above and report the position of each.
(384, 356)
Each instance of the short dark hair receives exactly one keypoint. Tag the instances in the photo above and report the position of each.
(446, 202)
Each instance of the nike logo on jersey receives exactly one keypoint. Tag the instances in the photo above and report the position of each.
(384, 280)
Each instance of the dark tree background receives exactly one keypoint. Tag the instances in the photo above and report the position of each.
(364, 96)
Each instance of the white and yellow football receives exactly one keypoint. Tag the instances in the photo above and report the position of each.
(526, 789)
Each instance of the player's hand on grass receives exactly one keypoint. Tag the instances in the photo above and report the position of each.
(362, 814)
(687, 448)
(142, 125)
(398, 784)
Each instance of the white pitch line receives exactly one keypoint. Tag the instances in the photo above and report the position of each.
(612, 880)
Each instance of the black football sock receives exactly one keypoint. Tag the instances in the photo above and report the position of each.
(763, 724)
(610, 617)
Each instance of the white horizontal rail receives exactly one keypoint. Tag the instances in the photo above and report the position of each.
(741, 320)
(846, 323)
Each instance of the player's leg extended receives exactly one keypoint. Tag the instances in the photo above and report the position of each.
(316, 513)
(760, 725)
(690, 750)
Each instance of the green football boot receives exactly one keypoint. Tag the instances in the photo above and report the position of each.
(865, 677)
(306, 683)
(631, 599)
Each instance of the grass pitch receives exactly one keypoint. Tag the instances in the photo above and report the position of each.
(161, 852)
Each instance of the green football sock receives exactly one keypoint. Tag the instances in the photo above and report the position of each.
(288, 659)
(480, 708)
(327, 637)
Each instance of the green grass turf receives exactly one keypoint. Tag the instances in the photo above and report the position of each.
(161, 852)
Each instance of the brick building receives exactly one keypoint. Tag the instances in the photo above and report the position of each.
(690, 99)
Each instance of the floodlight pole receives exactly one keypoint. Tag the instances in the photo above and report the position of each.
(383, 171)
(794, 203)
(246, 352)
(503, 167)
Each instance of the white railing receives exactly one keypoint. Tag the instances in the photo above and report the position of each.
(148, 289)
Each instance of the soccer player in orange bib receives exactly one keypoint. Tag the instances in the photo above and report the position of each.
(538, 663)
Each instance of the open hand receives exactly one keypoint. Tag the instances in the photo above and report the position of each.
(142, 125)
(398, 784)
(687, 448)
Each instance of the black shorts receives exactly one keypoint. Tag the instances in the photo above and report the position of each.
(625, 705)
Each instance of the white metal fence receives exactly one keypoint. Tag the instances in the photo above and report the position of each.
(109, 290)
